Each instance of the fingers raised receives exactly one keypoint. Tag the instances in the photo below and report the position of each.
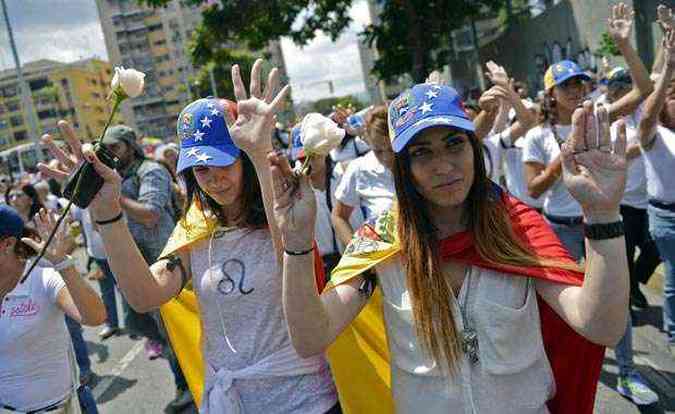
(576, 141)
(621, 139)
(604, 138)
(52, 172)
(107, 173)
(71, 138)
(280, 100)
(239, 89)
(272, 85)
(57, 152)
(255, 78)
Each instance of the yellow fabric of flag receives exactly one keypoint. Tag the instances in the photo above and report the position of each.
(359, 358)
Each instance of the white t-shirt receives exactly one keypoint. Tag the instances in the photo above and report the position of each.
(541, 147)
(367, 185)
(95, 246)
(635, 194)
(660, 165)
(35, 369)
(514, 170)
(355, 148)
(492, 154)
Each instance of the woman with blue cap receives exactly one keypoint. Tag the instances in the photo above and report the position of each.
(251, 366)
(38, 372)
(485, 311)
(565, 90)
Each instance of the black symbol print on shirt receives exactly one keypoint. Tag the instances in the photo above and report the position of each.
(233, 269)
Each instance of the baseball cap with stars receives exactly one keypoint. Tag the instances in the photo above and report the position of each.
(204, 137)
(424, 106)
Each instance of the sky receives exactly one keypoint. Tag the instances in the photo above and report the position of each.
(69, 30)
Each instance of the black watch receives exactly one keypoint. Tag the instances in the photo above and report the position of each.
(604, 231)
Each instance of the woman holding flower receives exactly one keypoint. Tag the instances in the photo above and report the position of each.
(251, 366)
(485, 310)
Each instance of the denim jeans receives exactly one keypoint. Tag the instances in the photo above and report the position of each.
(80, 347)
(572, 237)
(636, 223)
(624, 351)
(107, 285)
(87, 401)
(662, 229)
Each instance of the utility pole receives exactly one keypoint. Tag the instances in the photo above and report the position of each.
(26, 99)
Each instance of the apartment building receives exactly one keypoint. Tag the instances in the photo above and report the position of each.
(154, 42)
(74, 91)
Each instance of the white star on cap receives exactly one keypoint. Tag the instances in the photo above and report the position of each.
(426, 107)
(192, 152)
(210, 105)
(198, 135)
(215, 112)
(206, 122)
(437, 87)
(431, 94)
(203, 158)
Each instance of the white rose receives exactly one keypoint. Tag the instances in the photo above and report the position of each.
(319, 134)
(130, 81)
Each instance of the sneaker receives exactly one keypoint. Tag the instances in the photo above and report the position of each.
(107, 332)
(183, 399)
(635, 389)
(153, 349)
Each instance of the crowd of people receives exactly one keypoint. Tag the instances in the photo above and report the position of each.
(503, 243)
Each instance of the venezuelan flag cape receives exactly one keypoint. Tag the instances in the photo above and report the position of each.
(575, 361)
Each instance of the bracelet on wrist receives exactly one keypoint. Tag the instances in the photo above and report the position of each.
(298, 252)
(604, 231)
(112, 220)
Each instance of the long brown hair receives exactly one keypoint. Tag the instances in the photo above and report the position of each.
(495, 241)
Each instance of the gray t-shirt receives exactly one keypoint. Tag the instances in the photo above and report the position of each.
(150, 185)
(238, 285)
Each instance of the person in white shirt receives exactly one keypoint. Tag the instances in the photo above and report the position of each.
(565, 90)
(37, 364)
(368, 184)
(657, 141)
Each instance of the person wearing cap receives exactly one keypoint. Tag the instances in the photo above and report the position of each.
(367, 184)
(146, 196)
(230, 254)
(565, 91)
(485, 311)
(657, 143)
(38, 372)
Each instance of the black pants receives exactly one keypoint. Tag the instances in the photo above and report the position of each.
(636, 223)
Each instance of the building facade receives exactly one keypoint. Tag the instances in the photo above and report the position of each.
(74, 91)
(154, 42)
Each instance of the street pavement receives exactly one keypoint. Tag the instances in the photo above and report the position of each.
(128, 382)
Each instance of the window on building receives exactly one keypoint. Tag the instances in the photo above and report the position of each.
(13, 106)
(16, 120)
(20, 136)
(38, 84)
(49, 113)
(9, 91)
(160, 42)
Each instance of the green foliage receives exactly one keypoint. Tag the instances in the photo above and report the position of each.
(608, 46)
(326, 105)
(221, 62)
(412, 35)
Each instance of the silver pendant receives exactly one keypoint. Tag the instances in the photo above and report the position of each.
(470, 344)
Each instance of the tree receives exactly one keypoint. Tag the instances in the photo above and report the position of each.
(325, 105)
(412, 36)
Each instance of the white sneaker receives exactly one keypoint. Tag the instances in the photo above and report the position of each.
(635, 389)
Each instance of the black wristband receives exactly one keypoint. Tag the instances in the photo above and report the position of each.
(112, 220)
(300, 253)
(604, 231)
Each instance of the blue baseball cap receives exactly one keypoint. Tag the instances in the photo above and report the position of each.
(559, 72)
(424, 106)
(11, 223)
(204, 137)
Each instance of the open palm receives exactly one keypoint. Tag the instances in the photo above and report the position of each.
(594, 169)
(252, 129)
(620, 22)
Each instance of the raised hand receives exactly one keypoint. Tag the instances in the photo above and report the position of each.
(60, 245)
(669, 47)
(294, 205)
(106, 203)
(594, 169)
(252, 130)
(497, 74)
(620, 23)
(488, 101)
(665, 17)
